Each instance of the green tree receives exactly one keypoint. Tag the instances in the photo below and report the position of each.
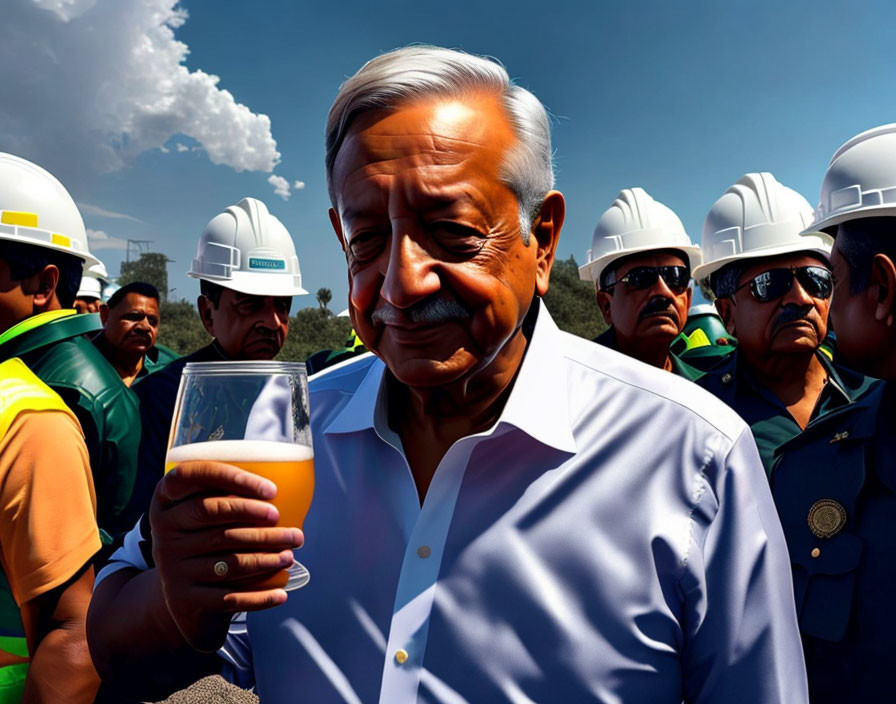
(312, 330)
(572, 301)
(151, 267)
(324, 296)
(180, 327)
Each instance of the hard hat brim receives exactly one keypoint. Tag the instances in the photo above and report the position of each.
(85, 256)
(872, 211)
(255, 285)
(592, 270)
(816, 243)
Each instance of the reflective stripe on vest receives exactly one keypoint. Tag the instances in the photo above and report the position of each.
(35, 321)
(20, 391)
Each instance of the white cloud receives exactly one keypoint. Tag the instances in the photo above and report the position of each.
(182, 147)
(281, 186)
(99, 239)
(90, 84)
(89, 209)
(298, 185)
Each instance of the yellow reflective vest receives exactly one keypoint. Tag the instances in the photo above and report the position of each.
(20, 391)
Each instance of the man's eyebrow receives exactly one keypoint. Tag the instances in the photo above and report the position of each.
(424, 203)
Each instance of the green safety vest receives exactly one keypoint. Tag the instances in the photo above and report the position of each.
(20, 391)
(53, 346)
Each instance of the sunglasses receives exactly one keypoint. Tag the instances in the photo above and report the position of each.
(641, 277)
(774, 283)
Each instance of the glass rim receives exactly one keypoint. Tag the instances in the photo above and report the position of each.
(229, 367)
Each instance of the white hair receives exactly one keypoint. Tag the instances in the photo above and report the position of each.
(415, 72)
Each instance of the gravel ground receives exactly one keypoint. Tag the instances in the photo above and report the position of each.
(212, 690)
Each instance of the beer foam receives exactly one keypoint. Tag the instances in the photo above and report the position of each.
(240, 451)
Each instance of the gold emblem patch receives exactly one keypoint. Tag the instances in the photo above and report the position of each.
(826, 518)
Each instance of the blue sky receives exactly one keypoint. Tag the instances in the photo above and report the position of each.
(678, 98)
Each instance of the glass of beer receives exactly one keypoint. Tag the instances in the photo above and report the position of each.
(253, 415)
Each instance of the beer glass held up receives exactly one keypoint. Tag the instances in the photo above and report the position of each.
(253, 415)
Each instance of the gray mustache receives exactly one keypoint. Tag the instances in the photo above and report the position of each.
(429, 310)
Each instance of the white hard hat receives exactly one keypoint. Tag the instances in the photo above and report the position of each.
(635, 223)
(93, 281)
(757, 217)
(90, 288)
(861, 179)
(36, 209)
(247, 249)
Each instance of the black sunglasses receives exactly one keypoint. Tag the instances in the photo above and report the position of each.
(641, 277)
(774, 283)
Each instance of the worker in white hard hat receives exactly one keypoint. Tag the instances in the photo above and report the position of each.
(248, 273)
(640, 262)
(773, 289)
(69, 431)
(89, 297)
(43, 251)
(835, 484)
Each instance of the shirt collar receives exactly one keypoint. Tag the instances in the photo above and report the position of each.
(537, 405)
(358, 413)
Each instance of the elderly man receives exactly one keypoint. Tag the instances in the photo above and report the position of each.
(244, 306)
(835, 484)
(772, 289)
(502, 511)
(130, 327)
(640, 262)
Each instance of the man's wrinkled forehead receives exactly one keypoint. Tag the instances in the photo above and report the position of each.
(438, 132)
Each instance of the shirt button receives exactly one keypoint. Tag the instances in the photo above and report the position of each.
(424, 551)
(815, 552)
(401, 656)
(726, 378)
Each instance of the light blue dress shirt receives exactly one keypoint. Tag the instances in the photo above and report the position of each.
(611, 539)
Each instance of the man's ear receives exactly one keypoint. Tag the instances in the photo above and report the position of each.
(546, 232)
(883, 279)
(206, 315)
(42, 286)
(337, 227)
(104, 313)
(725, 307)
(604, 302)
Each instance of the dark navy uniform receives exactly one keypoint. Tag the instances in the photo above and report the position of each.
(768, 418)
(835, 490)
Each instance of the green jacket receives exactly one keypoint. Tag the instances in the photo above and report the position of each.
(157, 358)
(55, 348)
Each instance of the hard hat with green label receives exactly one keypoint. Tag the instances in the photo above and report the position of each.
(36, 209)
(247, 249)
(635, 223)
(860, 181)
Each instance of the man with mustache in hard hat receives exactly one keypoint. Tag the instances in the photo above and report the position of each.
(773, 289)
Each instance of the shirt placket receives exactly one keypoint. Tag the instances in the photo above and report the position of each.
(417, 582)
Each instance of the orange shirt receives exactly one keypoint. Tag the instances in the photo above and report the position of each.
(48, 525)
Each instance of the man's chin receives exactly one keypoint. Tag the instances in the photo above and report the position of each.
(659, 328)
(421, 372)
(260, 352)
